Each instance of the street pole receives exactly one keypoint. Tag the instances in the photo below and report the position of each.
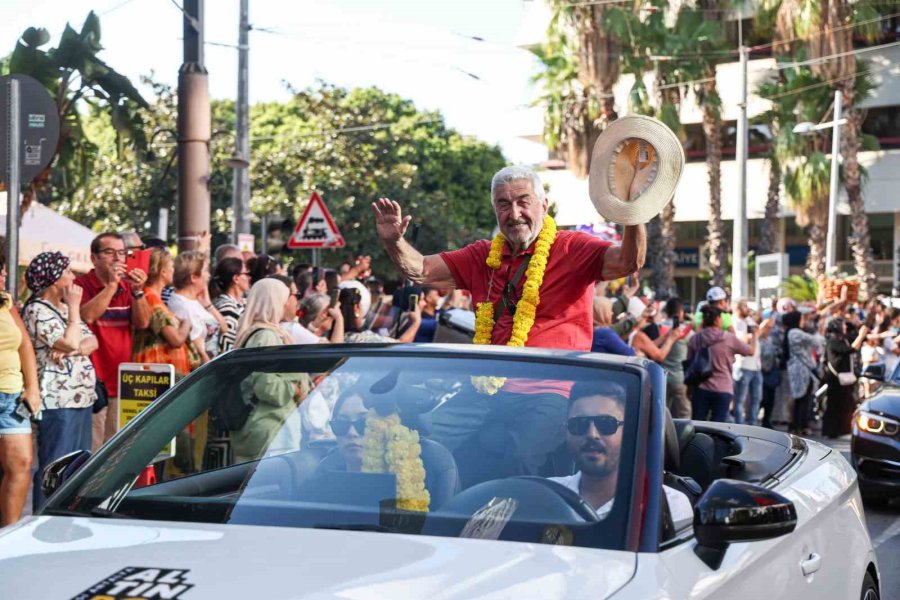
(194, 124)
(241, 200)
(739, 276)
(13, 141)
(831, 239)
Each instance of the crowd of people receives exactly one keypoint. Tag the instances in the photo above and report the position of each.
(793, 366)
(61, 348)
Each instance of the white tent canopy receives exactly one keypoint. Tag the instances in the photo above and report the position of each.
(42, 229)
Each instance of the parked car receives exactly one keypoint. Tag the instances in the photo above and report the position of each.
(875, 439)
(280, 505)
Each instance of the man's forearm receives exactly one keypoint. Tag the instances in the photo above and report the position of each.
(634, 247)
(94, 308)
(409, 260)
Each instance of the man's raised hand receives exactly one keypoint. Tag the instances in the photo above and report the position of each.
(389, 220)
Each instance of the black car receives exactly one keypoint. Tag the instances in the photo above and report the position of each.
(875, 443)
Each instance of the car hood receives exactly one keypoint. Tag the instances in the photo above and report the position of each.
(71, 557)
(887, 402)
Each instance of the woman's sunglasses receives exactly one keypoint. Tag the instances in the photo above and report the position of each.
(342, 426)
(605, 424)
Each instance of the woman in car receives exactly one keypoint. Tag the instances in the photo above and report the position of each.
(274, 424)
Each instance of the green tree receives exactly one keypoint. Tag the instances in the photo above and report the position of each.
(76, 76)
(350, 145)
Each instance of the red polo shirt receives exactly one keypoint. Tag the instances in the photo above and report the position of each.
(564, 315)
(112, 330)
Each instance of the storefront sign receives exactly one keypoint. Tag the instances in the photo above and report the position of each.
(139, 385)
(687, 258)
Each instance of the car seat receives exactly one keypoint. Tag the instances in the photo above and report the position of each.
(441, 474)
(698, 453)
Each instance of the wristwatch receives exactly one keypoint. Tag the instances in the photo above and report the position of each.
(138, 294)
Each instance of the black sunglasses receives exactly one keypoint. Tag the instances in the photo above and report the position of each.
(342, 426)
(605, 424)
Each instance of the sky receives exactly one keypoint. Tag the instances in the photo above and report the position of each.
(420, 49)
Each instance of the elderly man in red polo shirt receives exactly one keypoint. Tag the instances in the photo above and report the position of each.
(562, 318)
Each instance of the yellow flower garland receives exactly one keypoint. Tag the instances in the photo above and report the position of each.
(391, 447)
(526, 309)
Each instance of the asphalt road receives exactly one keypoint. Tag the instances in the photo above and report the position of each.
(884, 529)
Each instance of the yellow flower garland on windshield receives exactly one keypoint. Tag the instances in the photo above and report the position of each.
(391, 447)
(526, 309)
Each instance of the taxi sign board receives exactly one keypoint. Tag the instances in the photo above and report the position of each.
(316, 228)
(139, 385)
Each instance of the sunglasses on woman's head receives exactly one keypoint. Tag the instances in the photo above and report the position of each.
(342, 426)
(604, 424)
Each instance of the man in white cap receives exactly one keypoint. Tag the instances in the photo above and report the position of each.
(576, 261)
(717, 297)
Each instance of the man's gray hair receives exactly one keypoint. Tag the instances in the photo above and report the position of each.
(224, 249)
(507, 175)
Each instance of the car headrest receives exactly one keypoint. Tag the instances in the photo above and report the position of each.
(671, 444)
(686, 431)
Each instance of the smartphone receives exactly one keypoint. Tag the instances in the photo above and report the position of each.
(23, 410)
(413, 302)
(675, 322)
(138, 259)
(334, 294)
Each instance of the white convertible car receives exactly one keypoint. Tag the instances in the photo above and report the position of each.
(439, 472)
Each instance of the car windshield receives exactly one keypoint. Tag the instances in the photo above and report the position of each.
(489, 446)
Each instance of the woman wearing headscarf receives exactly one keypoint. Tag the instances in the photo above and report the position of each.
(802, 370)
(841, 401)
(62, 344)
(165, 339)
(274, 424)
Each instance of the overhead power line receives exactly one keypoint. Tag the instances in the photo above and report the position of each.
(114, 8)
(828, 82)
(822, 32)
(821, 59)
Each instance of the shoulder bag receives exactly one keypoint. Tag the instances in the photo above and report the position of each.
(845, 378)
(699, 368)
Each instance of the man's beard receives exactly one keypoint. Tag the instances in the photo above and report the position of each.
(594, 469)
(524, 239)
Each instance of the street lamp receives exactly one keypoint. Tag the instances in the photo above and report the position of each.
(807, 128)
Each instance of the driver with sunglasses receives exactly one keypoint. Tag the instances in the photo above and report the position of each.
(594, 438)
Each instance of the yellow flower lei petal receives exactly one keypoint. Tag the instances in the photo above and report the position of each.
(391, 447)
(526, 309)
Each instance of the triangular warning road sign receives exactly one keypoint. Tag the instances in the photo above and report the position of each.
(316, 228)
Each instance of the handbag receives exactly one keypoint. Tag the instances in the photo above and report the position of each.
(845, 378)
(102, 400)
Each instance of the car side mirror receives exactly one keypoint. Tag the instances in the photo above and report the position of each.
(875, 371)
(737, 511)
(61, 469)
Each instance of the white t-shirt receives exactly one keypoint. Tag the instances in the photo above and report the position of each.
(679, 505)
(203, 325)
(749, 363)
(299, 333)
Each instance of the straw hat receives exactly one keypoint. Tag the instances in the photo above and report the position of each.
(639, 155)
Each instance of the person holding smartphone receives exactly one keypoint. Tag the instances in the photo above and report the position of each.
(20, 397)
(112, 305)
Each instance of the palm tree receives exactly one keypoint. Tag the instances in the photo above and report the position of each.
(828, 35)
(581, 63)
(797, 95)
